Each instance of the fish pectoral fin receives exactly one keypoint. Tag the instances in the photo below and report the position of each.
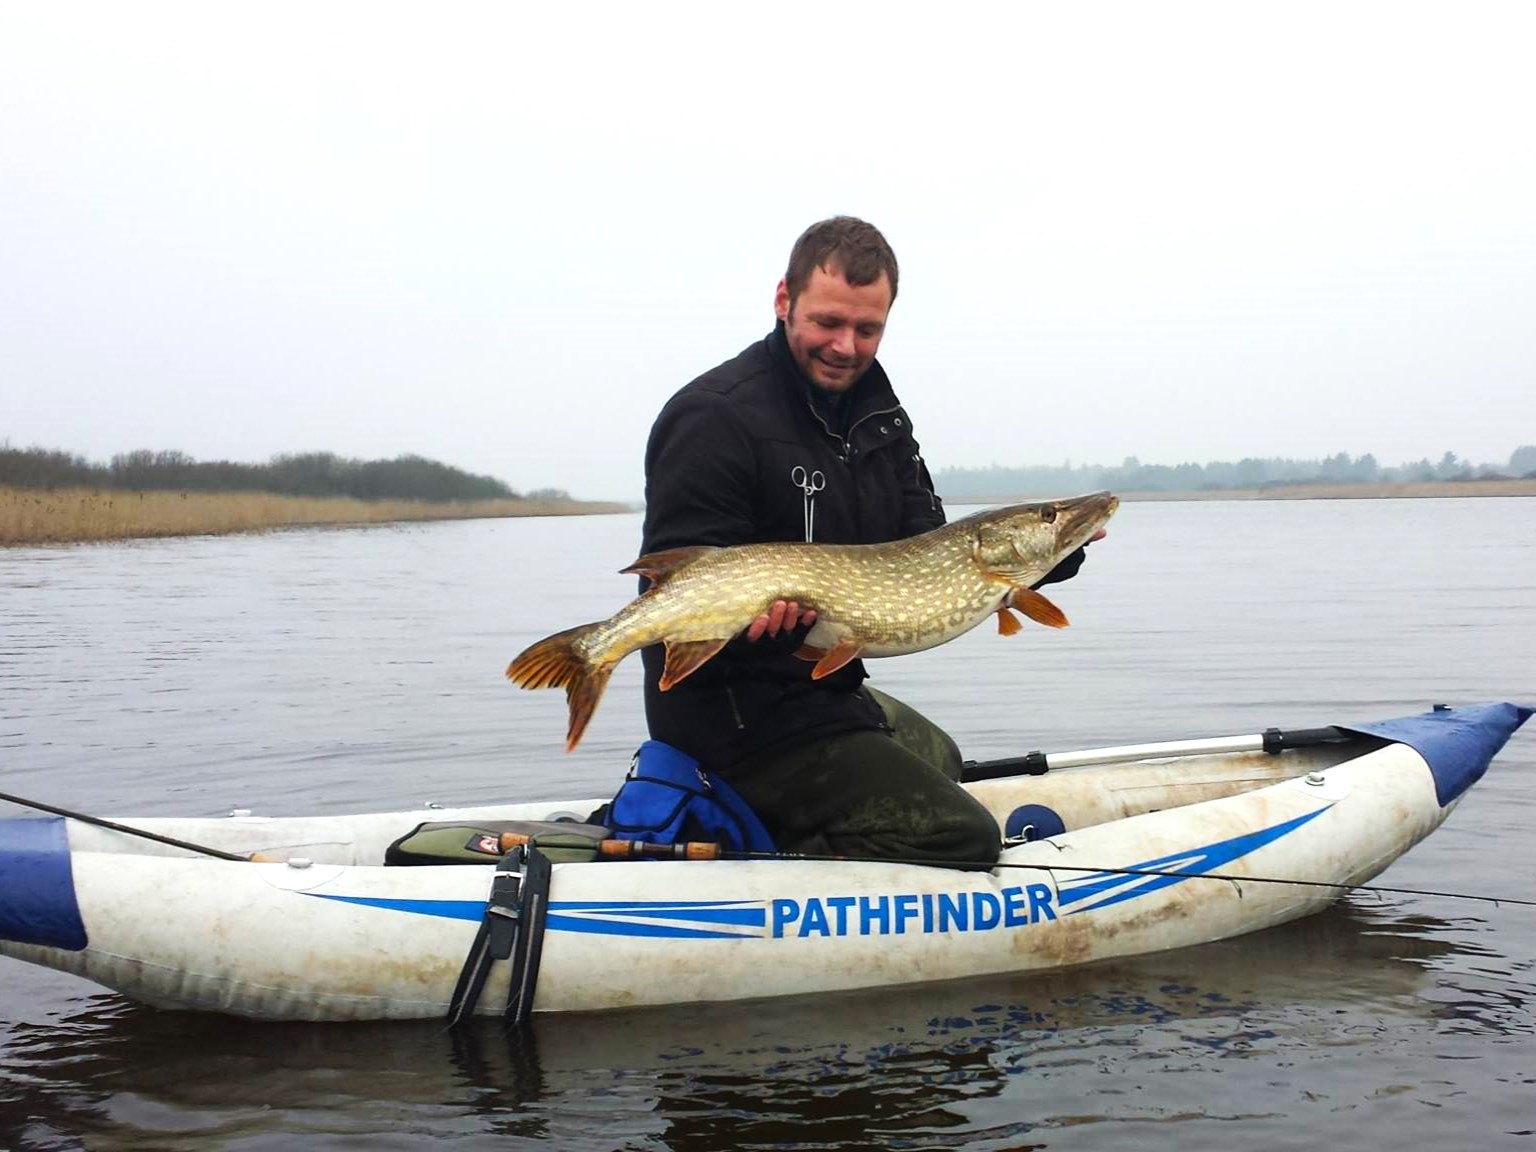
(809, 652)
(844, 651)
(658, 566)
(1007, 622)
(685, 657)
(1037, 608)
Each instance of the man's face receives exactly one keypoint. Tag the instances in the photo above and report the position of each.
(834, 329)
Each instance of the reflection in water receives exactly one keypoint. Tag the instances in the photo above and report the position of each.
(897, 1069)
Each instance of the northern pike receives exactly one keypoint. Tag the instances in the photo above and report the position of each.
(870, 599)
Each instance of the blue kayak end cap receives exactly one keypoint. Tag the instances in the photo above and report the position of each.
(37, 885)
(1456, 743)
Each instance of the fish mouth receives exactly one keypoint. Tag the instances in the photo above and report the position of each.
(1081, 516)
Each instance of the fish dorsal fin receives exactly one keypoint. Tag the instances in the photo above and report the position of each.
(844, 651)
(1007, 622)
(685, 657)
(658, 566)
(1037, 608)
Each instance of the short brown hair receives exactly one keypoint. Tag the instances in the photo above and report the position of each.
(845, 244)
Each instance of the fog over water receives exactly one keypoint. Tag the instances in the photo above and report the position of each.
(501, 238)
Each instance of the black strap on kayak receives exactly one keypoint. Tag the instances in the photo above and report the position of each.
(529, 943)
(497, 928)
(513, 928)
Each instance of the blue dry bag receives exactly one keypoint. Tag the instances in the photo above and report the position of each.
(667, 798)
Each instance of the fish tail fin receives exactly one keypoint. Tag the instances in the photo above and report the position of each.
(554, 663)
(581, 697)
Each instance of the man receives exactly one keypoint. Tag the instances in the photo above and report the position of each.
(801, 437)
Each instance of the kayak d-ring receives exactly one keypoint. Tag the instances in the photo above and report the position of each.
(513, 929)
(1030, 822)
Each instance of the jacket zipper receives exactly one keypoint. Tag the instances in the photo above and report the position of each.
(870, 416)
(842, 442)
(842, 456)
(842, 452)
(933, 497)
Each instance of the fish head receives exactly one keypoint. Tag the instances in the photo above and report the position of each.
(1022, 542)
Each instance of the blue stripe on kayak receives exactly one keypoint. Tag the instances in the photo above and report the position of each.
(1456, 743)
(447, 909)
(589, 915)
(701, 911)
(37, 885)
(600, 927)
(1116, 887)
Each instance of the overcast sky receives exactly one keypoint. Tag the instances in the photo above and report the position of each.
(501, 235)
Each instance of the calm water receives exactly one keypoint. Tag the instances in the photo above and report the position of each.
(354, 670)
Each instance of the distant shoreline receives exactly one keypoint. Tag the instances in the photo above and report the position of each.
(30, 516)
(1404, 490)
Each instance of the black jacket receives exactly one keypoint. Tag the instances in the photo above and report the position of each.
(721, 468)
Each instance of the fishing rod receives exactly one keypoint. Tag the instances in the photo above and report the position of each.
(112, 825)
(1378, 889)
(707, 850)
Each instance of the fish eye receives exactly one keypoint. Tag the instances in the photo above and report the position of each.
(1048, 513)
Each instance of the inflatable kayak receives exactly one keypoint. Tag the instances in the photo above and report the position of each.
(1111, 852)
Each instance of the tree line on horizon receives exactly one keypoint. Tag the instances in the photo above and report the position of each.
(1251, 472)
(321, 474)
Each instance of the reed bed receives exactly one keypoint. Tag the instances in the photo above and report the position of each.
(73, 515)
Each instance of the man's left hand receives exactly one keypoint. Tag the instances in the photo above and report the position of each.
(1071, 562)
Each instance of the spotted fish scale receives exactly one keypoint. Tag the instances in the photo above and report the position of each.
(870, 599)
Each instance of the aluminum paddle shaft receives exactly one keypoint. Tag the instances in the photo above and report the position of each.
(1271, 740)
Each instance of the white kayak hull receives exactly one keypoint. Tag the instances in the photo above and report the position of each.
(1157, 855)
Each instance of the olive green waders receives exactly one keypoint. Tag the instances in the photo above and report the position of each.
(890, 795)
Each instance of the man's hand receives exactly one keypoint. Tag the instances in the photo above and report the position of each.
(783, 615)
(1070, 563)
